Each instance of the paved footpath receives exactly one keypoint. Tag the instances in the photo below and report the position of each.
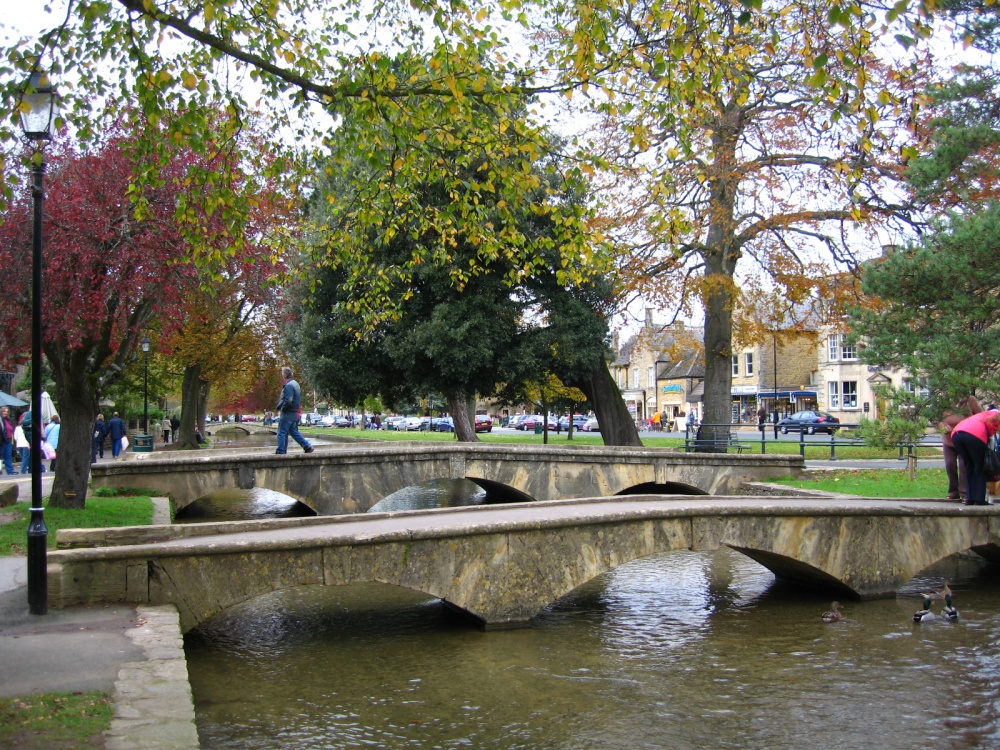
(134, 653)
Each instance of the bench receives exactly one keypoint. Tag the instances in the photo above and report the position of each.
(716, 445)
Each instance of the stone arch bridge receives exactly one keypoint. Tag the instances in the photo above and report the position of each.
(502, 565)
(351, 478)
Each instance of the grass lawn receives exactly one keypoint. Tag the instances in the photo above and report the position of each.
(101, 512)
(876, 482)
(59, 721)
(750, 440)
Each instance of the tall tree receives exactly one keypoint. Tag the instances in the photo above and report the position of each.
(457, 333)
(103, 284)
(733, 156)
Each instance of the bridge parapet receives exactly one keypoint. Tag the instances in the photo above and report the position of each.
(352, 478)
(501, 565)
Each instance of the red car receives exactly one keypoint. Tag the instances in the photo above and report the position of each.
(484, 423)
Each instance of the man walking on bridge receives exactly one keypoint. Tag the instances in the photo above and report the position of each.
(288, 410)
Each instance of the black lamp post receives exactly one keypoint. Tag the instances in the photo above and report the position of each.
(144, 343)
(775, 355)
(38, 114)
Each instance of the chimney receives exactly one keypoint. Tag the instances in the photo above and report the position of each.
(649, 317)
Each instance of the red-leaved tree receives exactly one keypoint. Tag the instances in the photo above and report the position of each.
(117, 258)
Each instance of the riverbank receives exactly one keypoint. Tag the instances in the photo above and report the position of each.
(133, 654)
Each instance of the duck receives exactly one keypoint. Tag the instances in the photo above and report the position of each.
(833, 614)
(925, 614)
(949, 610)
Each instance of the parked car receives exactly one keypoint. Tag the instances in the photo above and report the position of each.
(311, 418)
(484, 423)
(446, 424)
(413, 423)
(515, 420)
(809, 422)
(591, 425)
(530, 421)
(578, 422)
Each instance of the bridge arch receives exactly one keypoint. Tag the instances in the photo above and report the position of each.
(663, 488)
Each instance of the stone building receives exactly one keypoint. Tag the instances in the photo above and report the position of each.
(646, 357)
(780, 374)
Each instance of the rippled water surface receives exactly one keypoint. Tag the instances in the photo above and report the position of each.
(681, 650)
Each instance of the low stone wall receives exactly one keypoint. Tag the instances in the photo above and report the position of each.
(8, 494)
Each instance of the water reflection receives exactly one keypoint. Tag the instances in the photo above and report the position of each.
(242, 505)
(682, 650)
(439, 493)
(247, 505)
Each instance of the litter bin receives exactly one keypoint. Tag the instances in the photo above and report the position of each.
(538, 428)
(142, 443)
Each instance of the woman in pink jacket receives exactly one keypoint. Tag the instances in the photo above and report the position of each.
(971, 438)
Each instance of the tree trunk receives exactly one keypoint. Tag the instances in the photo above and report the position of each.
(77, 410)
(192, 408)
(617, 426)
(721, 254)
(465, 429)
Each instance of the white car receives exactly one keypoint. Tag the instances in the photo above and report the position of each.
(414, 423)
(591, 425)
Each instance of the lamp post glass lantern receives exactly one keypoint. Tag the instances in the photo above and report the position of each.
(38, 115)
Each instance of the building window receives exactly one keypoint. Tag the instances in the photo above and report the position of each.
(848, 351)
(748, 361)
(635, 378)
(917, 388)
(834, 395)
(850, 394)
(651, 377)
(736, 366)
(833, 351)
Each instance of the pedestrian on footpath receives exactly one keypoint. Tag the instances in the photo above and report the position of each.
(25, 445)
(289, 406)
(97, 439)
(7, 431)
(52, 438)
(165, 425)
(116, 428)
(22, 445)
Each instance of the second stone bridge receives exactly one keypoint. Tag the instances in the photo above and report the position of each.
(503, 564)
(351, 478)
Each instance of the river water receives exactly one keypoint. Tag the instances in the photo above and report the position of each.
(681, 650)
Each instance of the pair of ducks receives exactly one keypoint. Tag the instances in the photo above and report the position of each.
(923, 615)
(949, 612)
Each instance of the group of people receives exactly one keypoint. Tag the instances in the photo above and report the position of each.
(965, 435)
(17, 441)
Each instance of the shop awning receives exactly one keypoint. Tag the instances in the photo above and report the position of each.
(697, 394)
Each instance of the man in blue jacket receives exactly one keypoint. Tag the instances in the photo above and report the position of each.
(116, 428)
(288, 413)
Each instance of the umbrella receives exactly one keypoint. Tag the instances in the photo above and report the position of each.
(48, 408)
(13, 401)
